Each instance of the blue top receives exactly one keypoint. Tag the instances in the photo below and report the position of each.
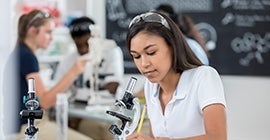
(21, 62)
(28, 63)
(198, 50)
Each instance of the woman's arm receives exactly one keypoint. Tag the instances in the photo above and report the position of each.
(48, 97)
(215, 124)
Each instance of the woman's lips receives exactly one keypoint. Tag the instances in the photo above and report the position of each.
(148, 73)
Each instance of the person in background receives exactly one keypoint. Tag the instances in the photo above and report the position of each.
(110, 66)
(107, 59)
(34, 32)
(188, 28)
(185, 99)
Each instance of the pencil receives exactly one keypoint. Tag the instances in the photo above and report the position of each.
(141, 119)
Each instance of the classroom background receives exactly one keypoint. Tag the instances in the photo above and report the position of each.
(237, 33)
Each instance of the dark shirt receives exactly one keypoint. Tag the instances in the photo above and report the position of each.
(21, 62)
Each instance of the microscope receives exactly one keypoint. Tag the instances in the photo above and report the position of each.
(32, 112)
(127, 107)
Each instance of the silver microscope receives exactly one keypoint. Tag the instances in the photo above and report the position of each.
(128, 112)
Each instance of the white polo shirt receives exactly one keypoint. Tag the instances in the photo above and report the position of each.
(182, 117)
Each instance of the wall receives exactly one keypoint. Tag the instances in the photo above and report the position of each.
(237, 30)
(6, 45)
(95, 11)
(248, 101)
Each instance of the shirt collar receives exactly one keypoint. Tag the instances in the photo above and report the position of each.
(179, 93)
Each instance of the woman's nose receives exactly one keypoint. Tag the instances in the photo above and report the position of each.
(145, 61)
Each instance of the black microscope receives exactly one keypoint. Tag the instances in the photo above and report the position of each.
(33, 112)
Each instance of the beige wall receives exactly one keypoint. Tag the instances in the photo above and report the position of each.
(248, 101)
(6, 45)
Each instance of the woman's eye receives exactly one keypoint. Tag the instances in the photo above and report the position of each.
(136, 56)
(151, 53)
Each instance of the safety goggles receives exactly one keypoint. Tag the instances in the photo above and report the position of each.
(81, 27)
(39, 15)
(150, 17)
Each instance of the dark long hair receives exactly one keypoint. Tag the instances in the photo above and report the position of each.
(183, 57)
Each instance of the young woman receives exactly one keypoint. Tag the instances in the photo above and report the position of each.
(185, 99)
(34, 31)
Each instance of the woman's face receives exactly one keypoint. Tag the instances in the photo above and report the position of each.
(82, 44)
(151, 55)
(44, 34)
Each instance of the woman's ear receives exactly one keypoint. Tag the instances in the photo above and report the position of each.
(32, 30)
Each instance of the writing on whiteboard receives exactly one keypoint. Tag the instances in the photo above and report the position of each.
(252, 46)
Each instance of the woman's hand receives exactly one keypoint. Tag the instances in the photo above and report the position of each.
(139, 136)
